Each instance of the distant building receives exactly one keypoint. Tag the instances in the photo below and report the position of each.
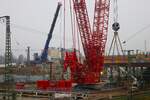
(56, 54)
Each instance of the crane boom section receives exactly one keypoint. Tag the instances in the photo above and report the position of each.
(45, 51)
(100, 23)
(100, 28)
(83, 25)
(93, 41)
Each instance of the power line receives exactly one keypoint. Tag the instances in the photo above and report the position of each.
(23, 28)
(29, 29)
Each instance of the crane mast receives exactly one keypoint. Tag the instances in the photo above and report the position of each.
(83, 24)
(93, 42)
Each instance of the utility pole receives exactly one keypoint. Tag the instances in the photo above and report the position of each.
(8, 78)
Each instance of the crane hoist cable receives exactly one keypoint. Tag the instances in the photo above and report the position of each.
(115, 11)
(60, 28)
(72, 25)
(115, 25)
(75, 30)
(136, 33)
(116, 43)
(64, 37)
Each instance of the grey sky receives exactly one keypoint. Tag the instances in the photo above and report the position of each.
(38, 14)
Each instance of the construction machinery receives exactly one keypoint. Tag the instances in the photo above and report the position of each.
(59, 85)
(44, 55)
(93, 42)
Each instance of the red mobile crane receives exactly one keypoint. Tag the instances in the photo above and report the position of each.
(93, 41)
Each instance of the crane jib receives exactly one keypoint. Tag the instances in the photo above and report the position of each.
(45, 51)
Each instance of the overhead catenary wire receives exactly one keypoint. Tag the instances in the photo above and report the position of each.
(28, 29)
(14, 38)
(25, 28)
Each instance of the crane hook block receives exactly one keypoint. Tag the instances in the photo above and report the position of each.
(116, 26)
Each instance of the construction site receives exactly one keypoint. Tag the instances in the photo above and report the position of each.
(74, 59)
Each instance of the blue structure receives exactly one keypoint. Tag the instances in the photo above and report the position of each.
(45, 51)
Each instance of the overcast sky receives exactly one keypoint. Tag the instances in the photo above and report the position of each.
(31, 20)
